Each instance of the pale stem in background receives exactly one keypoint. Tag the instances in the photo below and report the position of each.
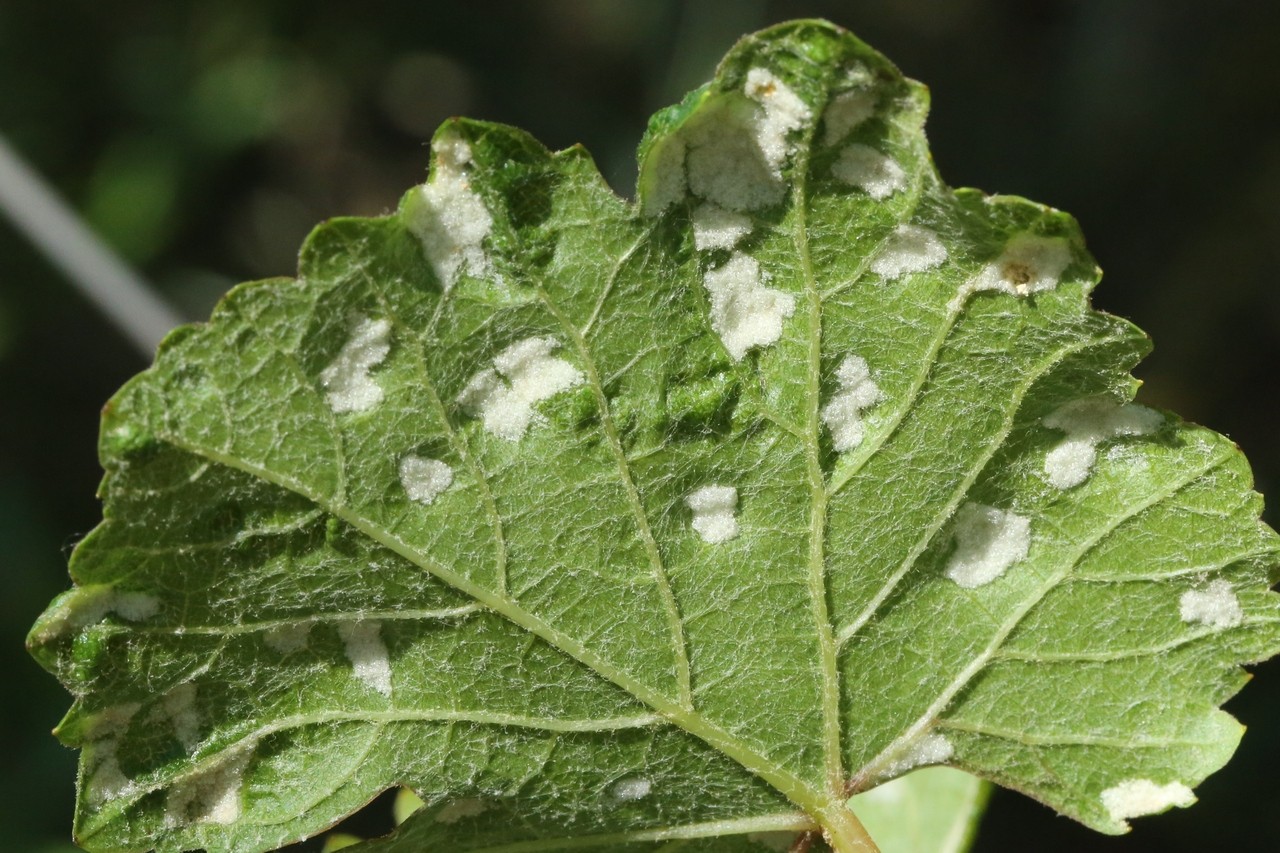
(97, 271)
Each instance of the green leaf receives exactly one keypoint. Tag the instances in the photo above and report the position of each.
(634, 527)
(932, 810)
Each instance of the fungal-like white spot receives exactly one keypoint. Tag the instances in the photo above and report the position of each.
(713, 513)
(928, 749)
(1138, 797)
(909, 249)
(368, 654)
(717, 228)
(846, 111)
(348, 385)
(724, 163)
(988, 541)
(783, 113)
(287, 639)
(89, 605)
(452, 221)
(1029, 264)
(523, 374)
(1216, 605)
(424, 479)
(877, 174)
(1087, 423)
(179, 706)
(843, 413)
(735, 147)
(211, 795)
(458, 809)
(630, 790)
(779, 841)
(745, 313)
(106, 780)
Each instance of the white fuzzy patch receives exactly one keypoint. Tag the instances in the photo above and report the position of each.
(1138, 797)
(717, 228)
(929, 749)
(783, 113)
(368, 654)
(846, 111)
(1216, 605)
(522, 375)
(745, 313)
(179, 706)
(458, 809)
(988, 541)
(779, 841)
(909, 249)
(89, 605)
(630, 790)
(1087, 423)
(877, 174)
(346, 380)
(723, 160)
(210, 795)
(735, 147)
(452, 221)
(1029, 264)
(106, 781)
(843, 413)
(713, 513)
(287, 639)
(424, 479)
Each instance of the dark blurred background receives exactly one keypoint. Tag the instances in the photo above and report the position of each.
(204, 139)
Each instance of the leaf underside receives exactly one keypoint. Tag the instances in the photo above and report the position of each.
(657, 526)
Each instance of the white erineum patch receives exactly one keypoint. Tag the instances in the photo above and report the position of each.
(452, 221)
(735, 147)
(630, 790)
(988, 542)
(909, 249)
(723, 160)
(179, 706)
(846, 111)
(458, 809)
(287, 639)
(522, 375)
(717, 228)
(783, 113)
(1087, 423)
(1215, 606)
(1029, 264)
(106, 780)
(871, 171)
(926, 750)
(91, 605)
(1139, 797)
(368, 654)
(424, 479)
(210, 795)
(714, 509)
(745, 313)
(842, 415)
(347, 383)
